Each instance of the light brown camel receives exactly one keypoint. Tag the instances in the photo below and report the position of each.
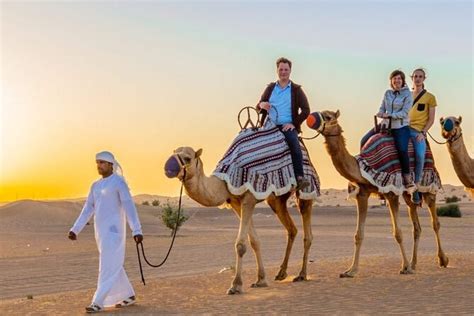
(347, 166)
(211, 191)
(462, 163)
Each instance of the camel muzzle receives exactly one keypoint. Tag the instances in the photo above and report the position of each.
(315, 121)
(448, 125)
(172, 167)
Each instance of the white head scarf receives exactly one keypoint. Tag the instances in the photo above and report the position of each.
(109, 157)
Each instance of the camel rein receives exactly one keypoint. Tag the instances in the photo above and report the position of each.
(321, 132)
(449, 140)
(140, 244)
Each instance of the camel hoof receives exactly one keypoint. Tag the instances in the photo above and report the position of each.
(407, 270)
(281, 275)
(443, 262)
(299, 278)
(233, 291)
(259, 284)
(347, 274)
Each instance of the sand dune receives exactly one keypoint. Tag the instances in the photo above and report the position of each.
(329, 197)
(37, 259)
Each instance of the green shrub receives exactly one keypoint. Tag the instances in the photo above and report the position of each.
(155, 203)
(449, 210)
(452, 199)
(169, 217)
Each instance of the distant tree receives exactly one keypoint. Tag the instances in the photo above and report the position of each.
(146, 203)
(155, 203)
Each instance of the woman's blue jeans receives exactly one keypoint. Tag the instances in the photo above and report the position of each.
(401, 136)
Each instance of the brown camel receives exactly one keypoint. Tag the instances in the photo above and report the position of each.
(462, 163)
(212, 192)
(347, 166)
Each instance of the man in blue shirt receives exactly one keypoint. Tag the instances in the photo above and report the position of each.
(286, 104)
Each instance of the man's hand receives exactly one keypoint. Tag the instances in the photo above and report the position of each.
(265, 106)
(138, 238)
(72, 235)
(288, 127)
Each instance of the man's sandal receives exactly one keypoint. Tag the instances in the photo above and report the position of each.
(93, 308)
(127, 302)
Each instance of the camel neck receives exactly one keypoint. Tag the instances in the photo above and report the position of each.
(345, 163)
(462, 162)
(207, 191)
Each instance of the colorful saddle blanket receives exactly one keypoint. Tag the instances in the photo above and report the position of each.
(260, 161)
(379, 164)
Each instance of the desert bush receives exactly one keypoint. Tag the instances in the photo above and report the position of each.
(452, 199)
(169, 217)
(449, 210)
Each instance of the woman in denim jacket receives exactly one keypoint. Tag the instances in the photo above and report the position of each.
(395, 107)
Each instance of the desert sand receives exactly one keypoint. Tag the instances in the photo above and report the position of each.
(37, 259)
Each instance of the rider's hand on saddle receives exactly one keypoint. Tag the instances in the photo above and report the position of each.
(265, 105)
(386, 115)
(420, 137)
(72, 236)
(288, 127)
(138, 238)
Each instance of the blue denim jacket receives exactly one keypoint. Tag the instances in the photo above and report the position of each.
(397, 104)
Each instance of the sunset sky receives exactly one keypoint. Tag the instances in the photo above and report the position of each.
(143, 78)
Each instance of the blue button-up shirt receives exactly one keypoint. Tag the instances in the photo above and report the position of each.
(280, 100)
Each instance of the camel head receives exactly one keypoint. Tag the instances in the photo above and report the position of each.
(183, 159)
(451, 127)
(324, 122)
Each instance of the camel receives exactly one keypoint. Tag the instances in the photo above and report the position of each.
(347, 166)
(462, 163)
(212, 191)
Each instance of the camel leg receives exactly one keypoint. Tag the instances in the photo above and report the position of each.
(278, 205)
(305, 207)
(247, 206)
(255, 243)
(413, 211)
(394, 206)
(362, 205)
(430, 200)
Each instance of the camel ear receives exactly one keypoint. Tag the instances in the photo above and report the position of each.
(338, 113)
(460, 119)
(198, 153)
(441, 120)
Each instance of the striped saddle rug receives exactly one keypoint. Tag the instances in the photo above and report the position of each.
(259, 161)
(379, 164)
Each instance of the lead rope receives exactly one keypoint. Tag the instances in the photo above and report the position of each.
(172, 240)
(449, 140)
(437, 142)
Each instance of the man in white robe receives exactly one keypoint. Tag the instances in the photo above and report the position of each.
(111, 204)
